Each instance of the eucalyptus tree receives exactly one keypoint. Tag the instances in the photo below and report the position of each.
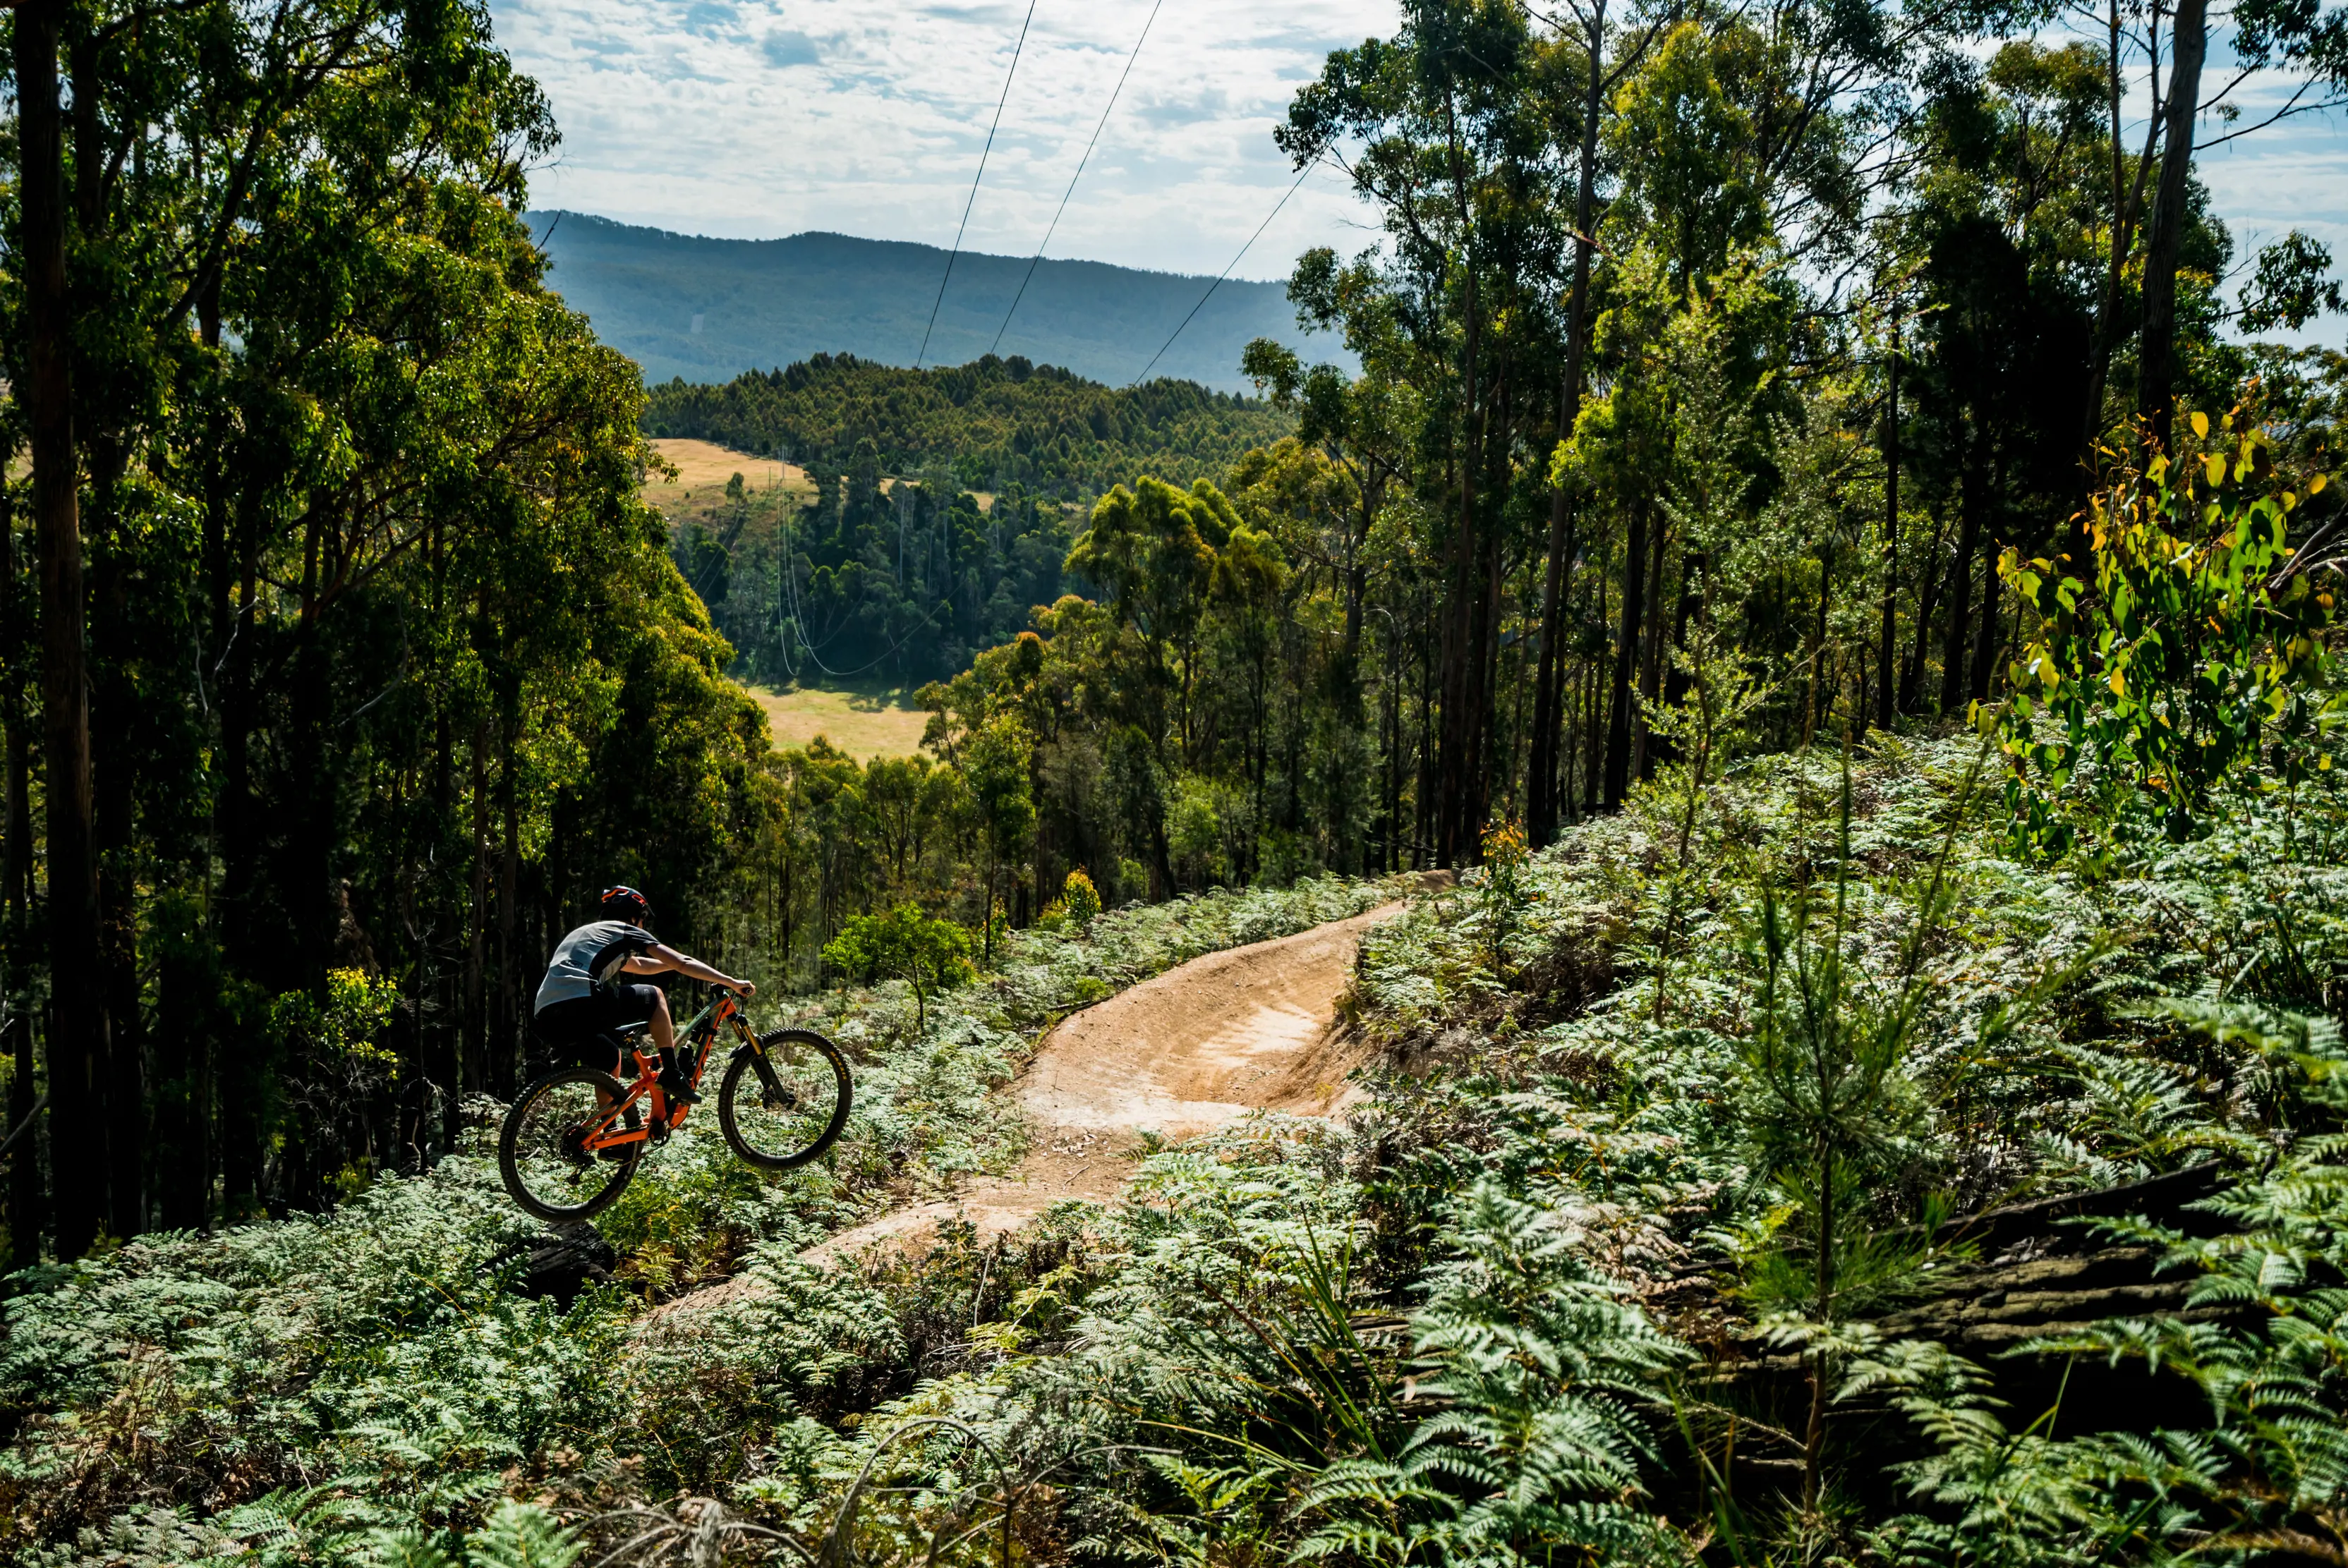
(332, 455)
(1599, 56)
(1447, 135)
(2303, 45)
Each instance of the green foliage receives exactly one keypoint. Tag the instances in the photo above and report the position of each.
(1653, 1235)
(904, 578)
(903, 944)
(1528, 1302)
(2265, 1468)
(2198, 655)
(1504, 898)
(1548, 1385)
(381, 1347)
(991, 424)
(516, 1536)
(1079, 900)
(351, 1022)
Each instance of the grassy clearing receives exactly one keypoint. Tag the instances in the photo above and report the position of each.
(703, 467)
(863, 720)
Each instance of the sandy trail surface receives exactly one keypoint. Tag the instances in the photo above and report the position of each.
(1247, 1028)
(1180, 1054)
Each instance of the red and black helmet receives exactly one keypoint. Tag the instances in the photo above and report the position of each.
(625, 903)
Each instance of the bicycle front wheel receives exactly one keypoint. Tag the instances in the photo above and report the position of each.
(543, 1153)
(791, 1111)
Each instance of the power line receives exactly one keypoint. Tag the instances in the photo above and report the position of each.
(799, 619)
(966, 205)
(1226, 272)
(1079, 174)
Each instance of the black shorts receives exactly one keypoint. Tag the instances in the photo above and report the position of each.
(580, 1024)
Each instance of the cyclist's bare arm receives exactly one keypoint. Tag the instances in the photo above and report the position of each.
(659, 959)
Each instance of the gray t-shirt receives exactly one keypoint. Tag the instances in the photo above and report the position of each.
(588, 957)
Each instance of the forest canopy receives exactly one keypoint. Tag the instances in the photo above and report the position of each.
(987, 425)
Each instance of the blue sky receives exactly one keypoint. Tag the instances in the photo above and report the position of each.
(753, 119)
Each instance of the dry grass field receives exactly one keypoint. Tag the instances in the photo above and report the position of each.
(703, 467)
(871, 722)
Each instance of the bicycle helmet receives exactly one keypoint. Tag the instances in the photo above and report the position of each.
(625, 903)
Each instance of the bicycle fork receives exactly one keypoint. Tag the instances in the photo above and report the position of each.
(763, 1066)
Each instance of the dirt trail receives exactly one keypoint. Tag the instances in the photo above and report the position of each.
(1243, 1029)
(1247, 1028)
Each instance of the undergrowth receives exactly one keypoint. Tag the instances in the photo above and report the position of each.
(1681, 1175)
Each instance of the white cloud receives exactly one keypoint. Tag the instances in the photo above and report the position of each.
(752, 118)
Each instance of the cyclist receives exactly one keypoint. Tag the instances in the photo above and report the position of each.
(582, 1001)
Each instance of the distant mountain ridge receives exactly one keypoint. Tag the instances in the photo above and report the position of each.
(704, 310)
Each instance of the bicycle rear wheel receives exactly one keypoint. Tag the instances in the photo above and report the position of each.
(792, 1112)
(541, 1152)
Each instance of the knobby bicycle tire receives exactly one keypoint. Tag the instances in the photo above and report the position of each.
(510, 1154)
(740, 1071)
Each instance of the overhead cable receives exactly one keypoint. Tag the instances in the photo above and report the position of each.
(1016, 51)
(1079, 174)
(1226, 272)
(799, 620)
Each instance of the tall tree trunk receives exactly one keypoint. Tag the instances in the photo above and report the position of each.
(1483, 737)
(238, 1074)
(1676, 681)
(1593, 709)
(508, 1022)
(15, 900)
(2155, 375)
(1821, 676)
(1651, 656)
(1462, 637)
(1545, 787)
(475, 1074)
(77, 1045)
(114, 747)
(25, 1170)
(1985, 638)
(1970, 501)
(185, 990)
(1928, 601)
(1626, 654)
(115, 720)
(2127, 198)
(1889, 615)
(17, 804)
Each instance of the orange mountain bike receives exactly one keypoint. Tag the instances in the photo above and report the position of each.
(572, 1140)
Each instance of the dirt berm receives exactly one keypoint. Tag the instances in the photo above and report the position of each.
(1247, 1028)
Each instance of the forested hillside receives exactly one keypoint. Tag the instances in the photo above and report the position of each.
(707, 310)
(903, 581)
(899, 566)
(989, 425)
(1812, 541)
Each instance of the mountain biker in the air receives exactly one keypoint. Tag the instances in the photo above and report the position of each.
(582, 1000)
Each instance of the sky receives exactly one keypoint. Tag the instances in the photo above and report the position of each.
(757, 118)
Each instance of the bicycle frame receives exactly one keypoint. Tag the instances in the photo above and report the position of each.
(699, 1032)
